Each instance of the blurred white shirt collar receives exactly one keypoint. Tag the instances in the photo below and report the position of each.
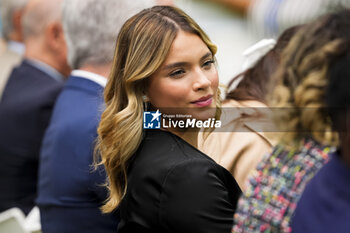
(16, 47)
(99, 79)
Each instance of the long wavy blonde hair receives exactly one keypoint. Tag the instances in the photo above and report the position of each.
(299, 97)
(142, 46)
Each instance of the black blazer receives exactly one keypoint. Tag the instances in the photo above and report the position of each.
(25, 111)
(173, 187)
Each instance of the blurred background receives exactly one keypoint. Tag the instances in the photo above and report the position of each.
(227, 27)
(235, 25)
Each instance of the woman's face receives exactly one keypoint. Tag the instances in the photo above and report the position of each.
(187, 80)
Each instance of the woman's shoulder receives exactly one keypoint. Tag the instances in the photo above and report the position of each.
(160, 152)
(162, 144)
(166, 168)
(200, 174)
(198, 185)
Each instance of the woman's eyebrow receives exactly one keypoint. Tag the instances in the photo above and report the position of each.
(208, 54)
(174, 65)
(179, 64)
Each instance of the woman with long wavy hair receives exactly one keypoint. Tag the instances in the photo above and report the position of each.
(157, 178)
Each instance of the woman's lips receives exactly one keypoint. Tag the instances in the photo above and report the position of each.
(204, 101)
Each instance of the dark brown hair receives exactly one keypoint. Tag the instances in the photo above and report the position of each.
(257, 80)
(302, 78)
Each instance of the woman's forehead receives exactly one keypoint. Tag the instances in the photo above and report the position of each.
(186, 45)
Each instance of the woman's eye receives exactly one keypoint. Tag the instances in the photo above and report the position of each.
(177, 73)
(208, 64)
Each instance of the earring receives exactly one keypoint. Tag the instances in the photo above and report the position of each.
(145, 103)
(146, 106)
(145, 98)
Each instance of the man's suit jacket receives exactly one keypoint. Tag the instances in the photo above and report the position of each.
(8, 60)
(25, 111)
(70, 192)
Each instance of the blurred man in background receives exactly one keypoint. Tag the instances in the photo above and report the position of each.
(11, 13)
(70, 192)
(27, 102)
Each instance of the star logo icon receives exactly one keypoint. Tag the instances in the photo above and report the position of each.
(156, 115)
(151, 120)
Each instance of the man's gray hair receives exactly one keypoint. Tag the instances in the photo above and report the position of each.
(91, 28)
(37, 17)
(7, 9)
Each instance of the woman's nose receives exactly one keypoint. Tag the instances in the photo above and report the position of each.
(201, 80)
